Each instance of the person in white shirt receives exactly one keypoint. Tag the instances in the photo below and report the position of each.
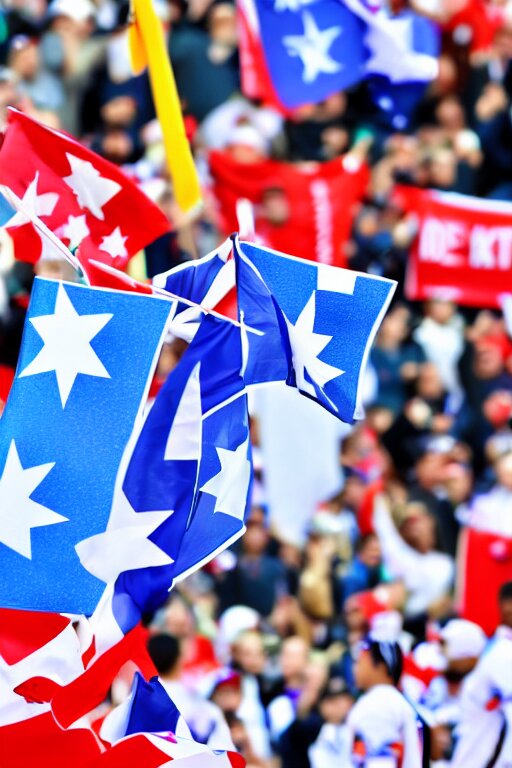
(492, 511)
(205, 720)
(382, 724)
(484, 734)
(426, 573)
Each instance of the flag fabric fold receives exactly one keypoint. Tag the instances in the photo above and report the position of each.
(84, 371)
(79, 195)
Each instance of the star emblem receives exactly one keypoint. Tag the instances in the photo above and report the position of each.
(306, 347)
(93, 191)
(67, 349)
(38, 205)
(390, 44)
(313, 48)
(75, 230)
(230, 485)
(125, 545)
(18, 512)
(114, 244)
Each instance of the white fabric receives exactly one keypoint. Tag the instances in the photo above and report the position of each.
(300, 445)
(490, 512)
(479, 729)
(443, 345)
(427, 576)
(383, 717)
(252, 714)
(331, 745)
(59, 660)
(204, 718)
(281, 714)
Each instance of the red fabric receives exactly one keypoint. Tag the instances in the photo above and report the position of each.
(82, 695)
(137, 751)
(321, 199)
(30, 147)
(24, 632)
(255, 76)
(40, 743)
(104, 276)
(482, 18)
(482, 553)
(6, 380)
(365, 512)
(463, 250)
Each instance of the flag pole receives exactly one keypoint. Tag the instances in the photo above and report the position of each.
(148, 47)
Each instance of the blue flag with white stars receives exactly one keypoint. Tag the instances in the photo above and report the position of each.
(311, 51)
(184, 494)
(318, 323)
(85, 366)
(314, 48)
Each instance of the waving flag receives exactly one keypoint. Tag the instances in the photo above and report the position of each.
(318, 325)
(84, 370)
(185, 492)
(80, 196)
(209, 281)
(297, 52)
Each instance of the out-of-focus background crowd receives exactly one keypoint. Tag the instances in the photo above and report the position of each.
(256, 648)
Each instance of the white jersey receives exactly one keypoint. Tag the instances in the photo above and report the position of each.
(486, 706)
(381, 718)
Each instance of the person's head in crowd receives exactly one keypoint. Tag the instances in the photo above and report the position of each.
(429, 384)
(165, 653)
(497, 409)
(462, 643)
(443, 169)
(9, 96)
(378, 662)
(178, 618)
(503, 471)
(23, 57)
(248, 653)
(505, 604)
(256, 538)
(440, 310)
(368, 551)
(293, 660)
(335, 701)
(226, 691)
(395, 327)
(491, 352)
(274, 207)
(246, 145)
(222, 25)
(446, 81)
(419, 528)
(72, 18)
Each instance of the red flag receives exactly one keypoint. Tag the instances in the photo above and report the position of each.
(463, 250)
(80, 196)
(482, 553)
(316, 203)
(40, 743)
(78, 698)
(24, 632)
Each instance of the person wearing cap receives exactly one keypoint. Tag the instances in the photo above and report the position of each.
(34, 81)
(382, 724)
(484, 733)
(318, 734)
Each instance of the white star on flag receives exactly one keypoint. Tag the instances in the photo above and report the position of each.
(37, 205)
(392, 53)
(75, 230)
(114, 244)
(125, 545)
(93, 191)
(18, 512)
(306, 346)
(313, 48)
(230, 485)
(67, 350)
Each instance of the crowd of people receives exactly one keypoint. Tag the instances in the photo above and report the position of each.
(294, 651)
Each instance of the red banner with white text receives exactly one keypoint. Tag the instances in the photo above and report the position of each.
(463, 250)
(305, 210)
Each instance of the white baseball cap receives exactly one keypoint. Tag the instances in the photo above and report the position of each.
(78, 10)
(462, 639)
